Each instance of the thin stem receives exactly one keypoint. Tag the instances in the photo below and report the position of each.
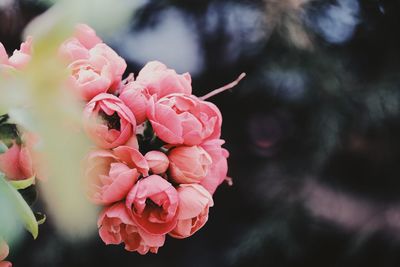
(223, 88)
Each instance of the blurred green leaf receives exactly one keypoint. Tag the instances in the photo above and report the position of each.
(20, 206)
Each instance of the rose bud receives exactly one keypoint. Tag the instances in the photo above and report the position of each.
(184, 119)
(194, 203)
(116, 126)
(219, 168)
(160, 81)
(188, 164)
(153, 202)
(116, 226)
(158, 161)
(16, 163)
(136, 98)
(112, 174)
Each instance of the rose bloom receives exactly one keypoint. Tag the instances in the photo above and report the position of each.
(189, 164)
(184, 119)
(108, 122)
(77, 47)
(161, 81)
(219, 168)
(101, 72)
(20, 58)
(153, 202)
(194, 203)
(4, 250)
(95, 67)
(155, 80)
(158, 161)
(86, 36)
(16, 163)
(112, 174)
(116, 226)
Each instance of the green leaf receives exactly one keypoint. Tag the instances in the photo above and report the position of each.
(20, 206)
(22, 184)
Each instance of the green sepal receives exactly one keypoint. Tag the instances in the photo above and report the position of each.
(22, 184)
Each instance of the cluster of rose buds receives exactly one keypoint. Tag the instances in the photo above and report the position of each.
(159, 158)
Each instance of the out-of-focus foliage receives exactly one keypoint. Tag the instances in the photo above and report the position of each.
(15, 212)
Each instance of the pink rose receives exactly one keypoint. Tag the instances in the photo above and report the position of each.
(112, 174)
(189, 164)
(117, 64)
(32, 142)
(194, 203)
(138, 240)
(155, 80)
(72, 50)
(4, 250)
(136, 98)
(101, 72)
(153, 202)
(158, 161)
(77, 47)
(184, 119)
(90, 77)
(161, 81)
(108, 121)
(20, 58)
(116, 226)
(219, 168)
(86, 36)
(16, 163)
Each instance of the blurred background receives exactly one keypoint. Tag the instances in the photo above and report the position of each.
(313, 130)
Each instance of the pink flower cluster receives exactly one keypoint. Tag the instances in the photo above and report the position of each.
(159, 156)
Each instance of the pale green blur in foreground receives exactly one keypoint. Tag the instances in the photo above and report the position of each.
(37, 101)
